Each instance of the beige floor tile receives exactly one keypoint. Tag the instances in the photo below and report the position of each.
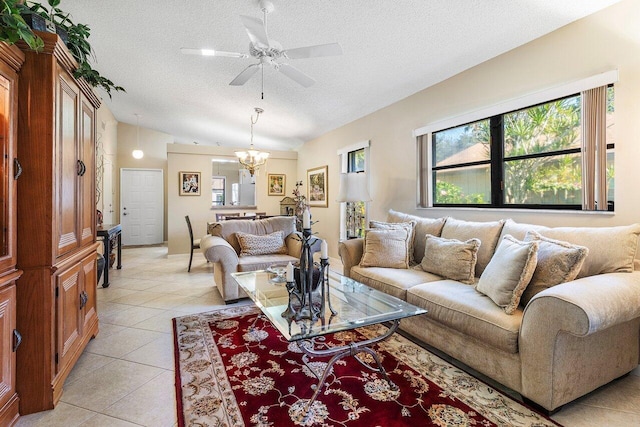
(158, 353)
(123, 342)
(621, 395)
(161, 322)
(108, 308)
(105, 329)
(153, 404)
(138, 298)
(111, 293)
(87, 363)
(100, 420)
(108, 384)
(63, 415)
(167, 301)
(133, 284)
(130, 316)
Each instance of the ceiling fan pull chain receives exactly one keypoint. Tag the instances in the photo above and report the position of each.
(262, 69)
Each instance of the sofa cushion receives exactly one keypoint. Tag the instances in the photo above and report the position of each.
(611, 249)
(466, 310)
(409, 226)
(519, 230)
(251, 244)
(450, 258)
(392, 281)
(487, 232)
(228, 229)
(509, 272)
(423, 227)
(262, 262)
(386, 248)
(558, 262)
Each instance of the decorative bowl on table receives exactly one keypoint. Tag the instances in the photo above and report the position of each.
(279, 272)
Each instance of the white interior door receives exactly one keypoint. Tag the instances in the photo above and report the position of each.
(141, 206)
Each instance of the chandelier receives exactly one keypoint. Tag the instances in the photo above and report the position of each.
(252, 159)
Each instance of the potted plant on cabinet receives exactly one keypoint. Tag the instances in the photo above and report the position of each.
(77, 42)
(13, 26)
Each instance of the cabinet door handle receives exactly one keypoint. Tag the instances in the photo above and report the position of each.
(84, 168)
(17, 168)
(17, 339)
(79, 170)
(84, 298)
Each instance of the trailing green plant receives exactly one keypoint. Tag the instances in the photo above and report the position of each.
(77, 43)
(14, 28)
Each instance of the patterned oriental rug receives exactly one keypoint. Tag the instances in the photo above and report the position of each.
(234, 369)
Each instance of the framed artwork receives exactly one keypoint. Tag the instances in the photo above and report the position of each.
(276, 183)
(189, 183)
(318, 187)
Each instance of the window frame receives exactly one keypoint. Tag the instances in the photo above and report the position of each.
(425, 145)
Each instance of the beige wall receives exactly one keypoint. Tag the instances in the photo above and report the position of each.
(153, 144)
(197, 158)
(607, 40)
(106, 152)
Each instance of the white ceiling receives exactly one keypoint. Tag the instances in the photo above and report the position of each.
(392, 49)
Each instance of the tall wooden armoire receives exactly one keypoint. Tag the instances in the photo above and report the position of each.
(56, 223)
(11, 59)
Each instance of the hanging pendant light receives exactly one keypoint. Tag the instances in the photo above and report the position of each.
(137, 153)
(252, 159)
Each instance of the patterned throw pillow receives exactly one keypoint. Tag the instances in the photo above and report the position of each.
(509, 272)
(410, 226)
(267, 244)
(450, 258)
(386, 248)
(558, 262)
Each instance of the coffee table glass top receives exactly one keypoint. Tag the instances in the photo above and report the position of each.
(357, 305)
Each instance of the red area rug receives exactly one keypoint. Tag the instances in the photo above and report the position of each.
(234, 370)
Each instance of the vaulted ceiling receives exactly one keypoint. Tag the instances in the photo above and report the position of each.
(391, 49)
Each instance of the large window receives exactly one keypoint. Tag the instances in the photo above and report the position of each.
(218, 187)
(529, 158)
(356, 211)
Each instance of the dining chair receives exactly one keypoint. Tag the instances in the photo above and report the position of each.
(195, 244)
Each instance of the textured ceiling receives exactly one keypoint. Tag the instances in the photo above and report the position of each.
(392, 49)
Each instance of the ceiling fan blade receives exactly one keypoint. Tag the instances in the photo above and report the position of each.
(245, 75)
(330, 49)
(255, 30)
(211, 52)
(296, 75)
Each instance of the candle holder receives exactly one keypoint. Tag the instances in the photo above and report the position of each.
(309, 292)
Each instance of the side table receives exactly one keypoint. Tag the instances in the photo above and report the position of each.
(109, 234)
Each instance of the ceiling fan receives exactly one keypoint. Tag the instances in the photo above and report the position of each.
(269, 52)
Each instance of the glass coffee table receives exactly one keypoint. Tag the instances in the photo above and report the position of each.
(356, 305)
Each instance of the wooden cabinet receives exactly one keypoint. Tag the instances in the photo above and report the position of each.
(56, 309)
(11, 59)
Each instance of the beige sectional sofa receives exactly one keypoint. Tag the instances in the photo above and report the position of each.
(566, 341)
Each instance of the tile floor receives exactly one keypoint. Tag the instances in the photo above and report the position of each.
(125, 377)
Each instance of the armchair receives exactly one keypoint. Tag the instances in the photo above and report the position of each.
(223, 250)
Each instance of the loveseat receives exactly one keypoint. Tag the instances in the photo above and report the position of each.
(235, 246)
(557, 344)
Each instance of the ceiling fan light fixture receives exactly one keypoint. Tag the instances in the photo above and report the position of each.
(208, 52)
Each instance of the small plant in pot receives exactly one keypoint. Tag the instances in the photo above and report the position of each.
(77, 42)
(13, 26)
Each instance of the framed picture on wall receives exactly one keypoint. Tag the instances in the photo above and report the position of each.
(189, 183)
(276, 183)
(318, 187)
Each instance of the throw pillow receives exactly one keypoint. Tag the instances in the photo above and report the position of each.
(558, 262)
(251, 244)
(423, 227)
(450, 258)
(386, 248)
(410, 226)
(509, 272)
(487, 232)
(611, 249)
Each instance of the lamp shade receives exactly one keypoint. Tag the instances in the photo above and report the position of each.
(353, 187)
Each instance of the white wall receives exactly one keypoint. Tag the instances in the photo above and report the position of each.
(604, 41)
(197, 158)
